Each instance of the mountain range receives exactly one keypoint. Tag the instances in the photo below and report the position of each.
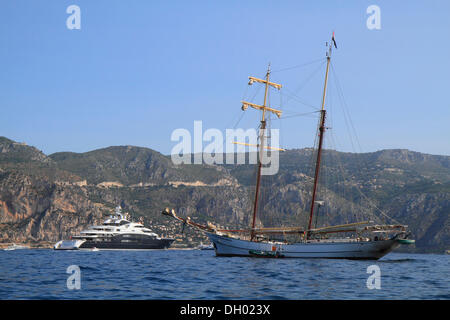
(44, 198)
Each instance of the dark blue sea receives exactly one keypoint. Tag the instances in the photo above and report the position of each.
(195, 274)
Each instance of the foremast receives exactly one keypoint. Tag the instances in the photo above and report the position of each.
(262, 130)
(321, 135)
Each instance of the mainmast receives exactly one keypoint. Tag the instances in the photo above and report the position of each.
(260, 146)
(321, 134)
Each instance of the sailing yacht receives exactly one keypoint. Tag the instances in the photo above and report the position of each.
(116, 232)
(361, 240)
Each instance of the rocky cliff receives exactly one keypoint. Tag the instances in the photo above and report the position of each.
(47, 198)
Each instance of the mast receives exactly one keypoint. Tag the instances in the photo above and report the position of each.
(261, 150)
(321, 134)
(260, 146)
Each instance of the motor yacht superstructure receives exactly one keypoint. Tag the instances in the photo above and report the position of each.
(116, 232)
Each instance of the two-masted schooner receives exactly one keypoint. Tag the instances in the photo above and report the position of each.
(365, 242)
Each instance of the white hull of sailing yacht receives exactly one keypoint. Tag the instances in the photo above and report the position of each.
(333, 249)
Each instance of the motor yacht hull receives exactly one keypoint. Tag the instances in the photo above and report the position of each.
(116, 242)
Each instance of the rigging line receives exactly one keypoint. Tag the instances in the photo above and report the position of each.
(224, 142)
(312, 74)
(302, 85)
(350, 127)
(296, 115)
(339, 187)
(345, 112)
(256, 92)
(360, 165)
(289, 112)
(300, 65)
(346, 109)
(293, 96)
(335, 155)
(330, 154)
(239, 120)
(359, 191)
(340, 95)
(245, 92)
(353, 204)
(233, 119)
(381, 211)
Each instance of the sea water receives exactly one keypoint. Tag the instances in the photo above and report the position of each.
(197, 274)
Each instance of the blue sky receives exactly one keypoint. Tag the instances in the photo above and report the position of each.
(137, 70)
